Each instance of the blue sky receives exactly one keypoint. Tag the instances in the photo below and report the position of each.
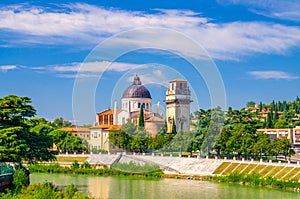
(253, 44)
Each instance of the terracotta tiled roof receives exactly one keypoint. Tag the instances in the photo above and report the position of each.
(107, 127)
(108, 112)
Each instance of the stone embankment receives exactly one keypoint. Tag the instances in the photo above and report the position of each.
(202, 166)
(170, 165)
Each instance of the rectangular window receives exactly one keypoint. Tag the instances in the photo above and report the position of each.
(111, 119)
(105, 119)
(95, 134)
(101, 120)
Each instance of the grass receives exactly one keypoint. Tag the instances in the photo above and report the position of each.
(259, 168)
(256, 179)
(71, 159)
(297, 177)
(266, 170)
(221, 168)
(274, 171)
(240, 168)
(132, 169)
(291, 174)
(230, 168)
(284, 172)
(249, 168)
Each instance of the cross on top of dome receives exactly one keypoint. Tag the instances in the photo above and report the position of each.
(136, 80)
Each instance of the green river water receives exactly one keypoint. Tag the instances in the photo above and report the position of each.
(138, 187)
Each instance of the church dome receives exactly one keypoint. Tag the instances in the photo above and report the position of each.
(136, 90)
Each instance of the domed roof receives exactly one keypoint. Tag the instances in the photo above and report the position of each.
(136, 90)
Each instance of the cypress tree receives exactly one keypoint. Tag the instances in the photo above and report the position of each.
(269, 120)
(260, 106)
(165, 128)
(141, 122)
(275, 117)
(174, 127)
(265, 123)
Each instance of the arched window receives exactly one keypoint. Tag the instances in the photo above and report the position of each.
(143, 105)
(147, 106)
(139, 105)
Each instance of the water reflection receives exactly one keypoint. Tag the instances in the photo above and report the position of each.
(134, 187)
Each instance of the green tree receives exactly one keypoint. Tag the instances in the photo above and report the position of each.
(276, 147)
(260, 106)
(141, 123)
(242, 139)
(60, 122)
(58, 136)
(262, 144)
(15, 111)
(213, 130)
(275, 117)
(160, 141)
(269, 120)
(12, 147)
(119, 138)
(16, 138)
(223, 139)
(173, 131)
(165, 128)
(250, 104)
(129, 127)
(73, 144)
(39, 143)
(280, 123)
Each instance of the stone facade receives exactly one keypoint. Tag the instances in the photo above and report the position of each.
(178, 100)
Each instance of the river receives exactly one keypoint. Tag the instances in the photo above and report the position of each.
(138, 187)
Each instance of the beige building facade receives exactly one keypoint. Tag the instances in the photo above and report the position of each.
(178, 100)
(293, 134)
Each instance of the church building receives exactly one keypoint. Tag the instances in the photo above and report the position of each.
(137, 96)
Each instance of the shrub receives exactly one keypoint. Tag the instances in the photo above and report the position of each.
(75, 165)
(86, 165)
(20, 179)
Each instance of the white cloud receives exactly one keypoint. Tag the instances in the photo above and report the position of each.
(83, 24)
(96, 67)
(80, 76)
(272, 75)
(281, 9)
(87, 69)
(6, 68)
(152, 79)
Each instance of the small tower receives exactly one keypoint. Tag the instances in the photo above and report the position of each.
(158, 108)
(178, 100)
(115, 113)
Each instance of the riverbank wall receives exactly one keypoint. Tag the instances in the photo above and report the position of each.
(198, 166)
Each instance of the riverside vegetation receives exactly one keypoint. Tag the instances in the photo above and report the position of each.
(21, 189)
(256, 179)
(118, 169)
